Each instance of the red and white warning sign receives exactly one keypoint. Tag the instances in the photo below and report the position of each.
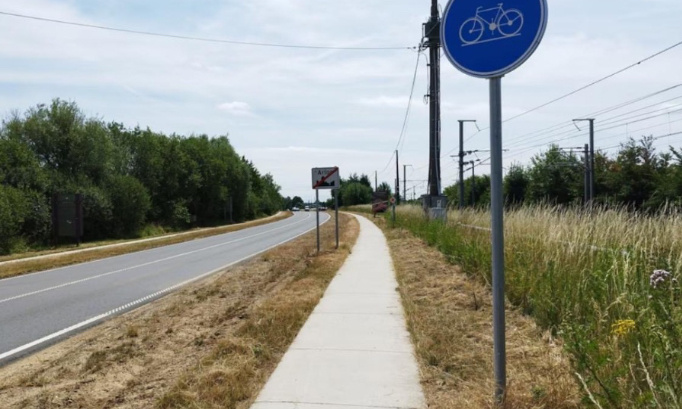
(326, 178)
(393, 200)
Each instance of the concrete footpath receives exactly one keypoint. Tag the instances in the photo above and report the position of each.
(354, 352)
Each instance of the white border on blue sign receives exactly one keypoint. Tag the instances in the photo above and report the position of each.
(511, 67)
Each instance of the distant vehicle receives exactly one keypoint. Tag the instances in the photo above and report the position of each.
(323, 208)
(307, 208)
(379, 207)
(295, 209)
(379, 201)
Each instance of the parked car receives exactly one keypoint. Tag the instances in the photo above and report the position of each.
(323, 208)
(307, 208)
(295, 209)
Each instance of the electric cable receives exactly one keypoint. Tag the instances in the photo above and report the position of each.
(407, 113)
(202, 39)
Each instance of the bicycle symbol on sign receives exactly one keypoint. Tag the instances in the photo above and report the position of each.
(507, 22)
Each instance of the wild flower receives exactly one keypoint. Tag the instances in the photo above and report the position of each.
(622, 327)
(658, 277)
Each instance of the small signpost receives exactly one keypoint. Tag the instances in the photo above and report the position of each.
(488, 39)
(326, 178)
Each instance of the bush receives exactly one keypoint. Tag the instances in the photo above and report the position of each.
(130, 202)
(181, 216)
(97, 214)
(37, 226)
(13, 209)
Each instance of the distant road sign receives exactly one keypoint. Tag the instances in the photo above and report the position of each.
(326, 178)
(393, 200)
(488, 38)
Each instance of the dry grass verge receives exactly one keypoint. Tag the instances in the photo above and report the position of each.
(450, 319)
(211, 345)
(73, 256)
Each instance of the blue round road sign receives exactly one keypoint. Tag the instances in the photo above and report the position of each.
(489, 38)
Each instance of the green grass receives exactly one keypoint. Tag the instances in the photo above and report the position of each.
(587, 279)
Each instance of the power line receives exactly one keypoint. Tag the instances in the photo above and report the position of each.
(407, 113)
(595, 82)
(202, 39)
(609, 126)
(569, 124)
(409, 104)
(653, 139)
(605, 125)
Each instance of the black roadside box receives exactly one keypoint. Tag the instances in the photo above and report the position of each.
(67, 216)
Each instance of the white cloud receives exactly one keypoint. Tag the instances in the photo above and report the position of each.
(345, 107)
(384, 101)
(236, 108)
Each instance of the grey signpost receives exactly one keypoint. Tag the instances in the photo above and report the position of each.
(326, 178)
(488, 39)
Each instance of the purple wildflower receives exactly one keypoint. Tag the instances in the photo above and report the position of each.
(658, 277)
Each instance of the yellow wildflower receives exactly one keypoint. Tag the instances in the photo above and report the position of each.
(622, 327)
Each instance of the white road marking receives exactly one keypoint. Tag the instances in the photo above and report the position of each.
(56, 287)
(122, 308)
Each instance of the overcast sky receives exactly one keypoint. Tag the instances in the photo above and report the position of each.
(289, 109)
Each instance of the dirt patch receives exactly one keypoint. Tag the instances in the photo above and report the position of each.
(450, 320)
(210, 345)
(15, 265)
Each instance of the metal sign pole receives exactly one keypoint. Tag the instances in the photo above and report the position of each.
(336, 208)
(317, 215)
(497, 211)
(491, 54)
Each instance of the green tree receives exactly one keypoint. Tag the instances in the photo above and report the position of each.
(297, 201)
(555, 177)
(355, 193)
(13, 209)
(130, 204)
(516, 185)
(635, 172)
(385, 187)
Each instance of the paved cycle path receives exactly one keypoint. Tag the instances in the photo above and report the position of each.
(354, 352)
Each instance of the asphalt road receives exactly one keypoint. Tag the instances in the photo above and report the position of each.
(39, 309)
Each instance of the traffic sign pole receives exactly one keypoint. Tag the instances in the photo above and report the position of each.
(336, 209)
(497, 215)
(487, 41)
(317, 215)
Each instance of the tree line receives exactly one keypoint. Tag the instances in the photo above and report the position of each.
(637, 177)
(130, 178)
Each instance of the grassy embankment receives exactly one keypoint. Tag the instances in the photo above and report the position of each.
(213, 344)
(26, 263)
(587, 279)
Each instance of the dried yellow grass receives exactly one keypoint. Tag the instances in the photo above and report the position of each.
(450, 320)
(212, 344)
